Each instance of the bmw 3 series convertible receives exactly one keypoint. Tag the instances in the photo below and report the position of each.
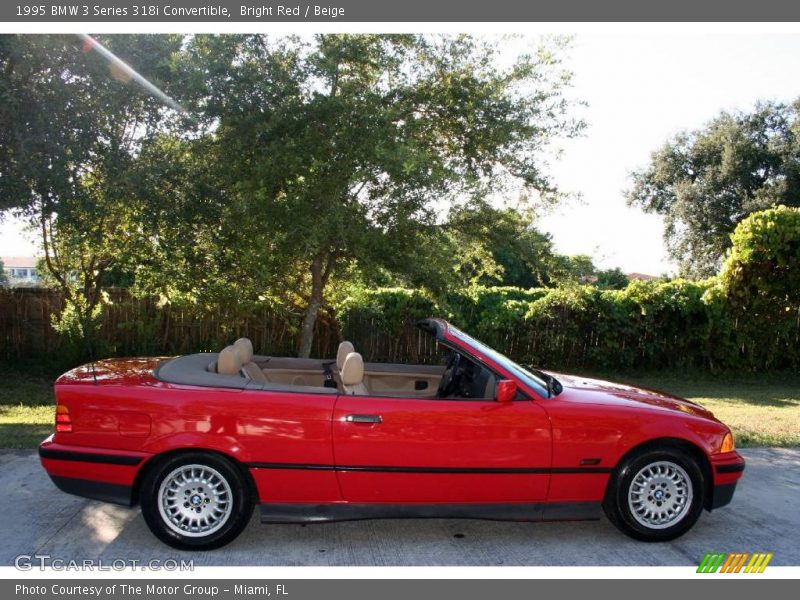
(200, 440)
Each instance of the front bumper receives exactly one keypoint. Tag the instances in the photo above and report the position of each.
(721, 495)
(727, 469)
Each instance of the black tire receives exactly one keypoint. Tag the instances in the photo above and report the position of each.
(240, 498)
(619, 509)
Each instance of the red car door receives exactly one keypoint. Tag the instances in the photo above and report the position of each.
(441, 451)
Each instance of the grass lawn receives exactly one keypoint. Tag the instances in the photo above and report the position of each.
(762, 411)
(27, 409)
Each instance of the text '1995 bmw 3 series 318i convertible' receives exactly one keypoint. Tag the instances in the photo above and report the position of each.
(200, 440)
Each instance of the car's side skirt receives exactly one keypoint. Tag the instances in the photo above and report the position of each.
(346, 511)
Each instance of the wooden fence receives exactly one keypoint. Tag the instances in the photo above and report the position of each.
(135, 326)
(567, 339)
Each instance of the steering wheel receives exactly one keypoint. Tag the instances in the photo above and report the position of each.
(449, 381)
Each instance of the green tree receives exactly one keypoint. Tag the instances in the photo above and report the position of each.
(3, 276)
(612, 279)
(344, 146)
(706, 181)
(71, 126)
(500, 247)
(574, 269)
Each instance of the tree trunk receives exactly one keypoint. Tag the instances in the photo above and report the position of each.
(319, 277)
(334, 324)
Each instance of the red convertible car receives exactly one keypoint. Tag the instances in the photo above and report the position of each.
(200, 440)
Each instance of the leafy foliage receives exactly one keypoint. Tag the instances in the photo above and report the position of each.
(71, 127)
(705, 182)
(613, 279)
(500, 247)
(746, 318)
(763, 267)
(761, 279)
(343, 146)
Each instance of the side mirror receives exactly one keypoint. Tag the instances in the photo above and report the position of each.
(506, 390)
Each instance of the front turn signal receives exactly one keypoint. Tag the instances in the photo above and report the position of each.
(727, 443)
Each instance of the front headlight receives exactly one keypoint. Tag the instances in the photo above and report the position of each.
(727, 443)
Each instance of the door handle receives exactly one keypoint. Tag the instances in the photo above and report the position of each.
(363, 419)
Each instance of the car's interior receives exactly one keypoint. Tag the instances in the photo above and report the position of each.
(236, 366)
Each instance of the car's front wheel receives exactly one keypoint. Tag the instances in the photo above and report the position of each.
(656, 495)
(196, 501)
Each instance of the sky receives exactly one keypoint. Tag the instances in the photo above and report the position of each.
(640, 90)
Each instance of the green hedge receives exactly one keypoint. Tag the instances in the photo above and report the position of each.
(648, 325)
(747, 318)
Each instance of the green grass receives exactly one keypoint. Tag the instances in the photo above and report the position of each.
(761, 410)
(27, 409)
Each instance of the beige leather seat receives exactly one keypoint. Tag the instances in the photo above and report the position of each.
(249, 369)
(353, 375)
(229, 362)
(345, 348)
(245, 348)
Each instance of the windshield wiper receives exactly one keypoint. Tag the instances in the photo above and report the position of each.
(554, 387)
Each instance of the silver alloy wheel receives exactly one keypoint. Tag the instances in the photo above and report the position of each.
(660, 495)
(195, 500)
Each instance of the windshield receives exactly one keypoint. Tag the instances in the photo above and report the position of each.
(530, 379)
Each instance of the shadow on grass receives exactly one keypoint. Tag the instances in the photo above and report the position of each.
(18, 387)
(21, 435)
(769, 390)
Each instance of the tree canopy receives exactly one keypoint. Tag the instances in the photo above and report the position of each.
(496, 246)
(71, 127)
(305, 160)
(705, 182)
(347, 147)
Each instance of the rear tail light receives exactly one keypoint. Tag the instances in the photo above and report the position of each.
(63, 420)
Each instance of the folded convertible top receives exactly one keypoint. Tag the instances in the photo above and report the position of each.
(192, 369)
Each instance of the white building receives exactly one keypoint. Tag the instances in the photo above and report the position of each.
(20, 270)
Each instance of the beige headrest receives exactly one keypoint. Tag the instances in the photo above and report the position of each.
(345, 348)
(353, 369)
(245, 348)
(229, 362)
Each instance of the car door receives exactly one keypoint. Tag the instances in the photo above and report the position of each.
(405, 450)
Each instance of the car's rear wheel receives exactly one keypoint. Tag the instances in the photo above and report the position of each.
(196, 501)
(656, 495)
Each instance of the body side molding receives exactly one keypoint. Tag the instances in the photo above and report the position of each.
(464, 470)
(91, 457)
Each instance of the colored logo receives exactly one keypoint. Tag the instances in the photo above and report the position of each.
(735, 562)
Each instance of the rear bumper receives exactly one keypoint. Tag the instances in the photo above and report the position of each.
(100, 474)
(96, 490)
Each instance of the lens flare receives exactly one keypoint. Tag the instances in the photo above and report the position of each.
(121, 71)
